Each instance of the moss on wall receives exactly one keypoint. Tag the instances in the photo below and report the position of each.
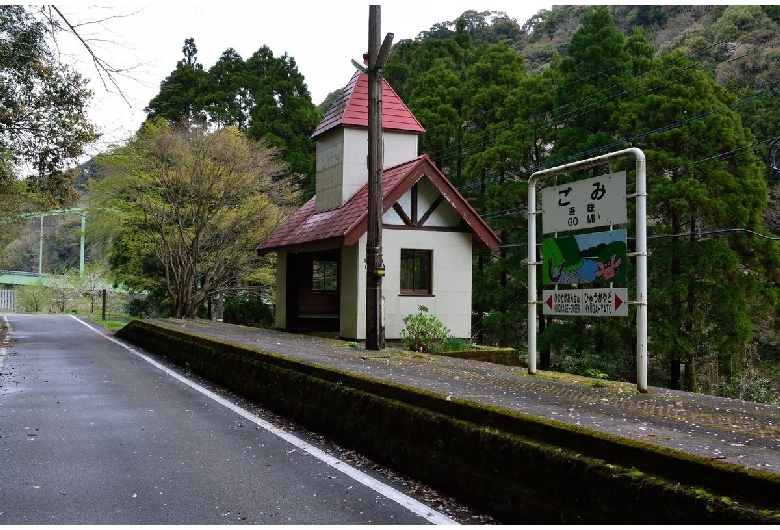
(518, 468)
(507, 356)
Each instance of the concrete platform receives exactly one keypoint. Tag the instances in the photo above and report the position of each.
(739, 432)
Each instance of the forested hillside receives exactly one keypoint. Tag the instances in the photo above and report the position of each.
(694, 87)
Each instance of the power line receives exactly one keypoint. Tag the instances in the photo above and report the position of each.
(592, 106)
(620, 142)
(674, 236)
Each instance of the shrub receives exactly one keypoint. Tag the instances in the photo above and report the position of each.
(424, 332)
(34, 298)
(588, 364)
(456, 344)
(752, 387)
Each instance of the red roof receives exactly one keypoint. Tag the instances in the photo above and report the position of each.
(350, 221)
(351, 109)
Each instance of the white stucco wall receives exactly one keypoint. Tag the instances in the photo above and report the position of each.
(342, 162)
(330, 161)
(280, 310)
(443, 216)
(451, 297)
(398, 147)
(451, 300)
(353, 291)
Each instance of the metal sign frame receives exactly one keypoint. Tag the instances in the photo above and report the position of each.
(640, 196)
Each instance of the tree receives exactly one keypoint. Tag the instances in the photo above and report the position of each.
(282, 114)
(265, 97)
(43, 124)
(472, 101)
(194, 202)
(594, 77)
(493, 78)
(227, 100)
(710, 290)
(180, 96)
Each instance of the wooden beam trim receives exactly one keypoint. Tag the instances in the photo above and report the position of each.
(430, 211)
(414, 204)
(458, 229)
(402, 214)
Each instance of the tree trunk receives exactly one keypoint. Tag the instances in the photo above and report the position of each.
(674, 368)
(544, 354)
(689, 377)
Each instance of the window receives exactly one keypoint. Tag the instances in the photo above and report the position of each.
(324, 276)
(416, 272)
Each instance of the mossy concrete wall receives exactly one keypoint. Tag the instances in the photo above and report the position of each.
(518, 468)
(507, 356)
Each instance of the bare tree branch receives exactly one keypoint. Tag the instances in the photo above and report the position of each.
(104, 69)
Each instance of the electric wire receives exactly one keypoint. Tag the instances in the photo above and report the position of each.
(593, 106)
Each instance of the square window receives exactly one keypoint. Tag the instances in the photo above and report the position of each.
(416, 271)
(324, 276)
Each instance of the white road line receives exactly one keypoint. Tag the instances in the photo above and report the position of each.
(407, 502)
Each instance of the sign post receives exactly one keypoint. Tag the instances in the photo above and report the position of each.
(589, 264)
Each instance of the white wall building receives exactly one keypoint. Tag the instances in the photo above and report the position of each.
(428, 230)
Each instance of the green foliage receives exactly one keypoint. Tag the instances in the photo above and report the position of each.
(192, 205)
(248, 309)
(705, 286)
(139, 307)
(589, 364)
(424, 332)
(263, 96)
(453, 344)
(180, 92)
(34, 298)
(43, 124)
(752, 386)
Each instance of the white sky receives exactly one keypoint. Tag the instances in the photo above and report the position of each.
(322, 37)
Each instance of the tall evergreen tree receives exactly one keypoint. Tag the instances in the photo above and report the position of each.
(282, 113)
(265, 97)
(227, 99)
(180, 96)
(703, 178)
(594, 77)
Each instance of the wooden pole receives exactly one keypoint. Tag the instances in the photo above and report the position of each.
(375, 339)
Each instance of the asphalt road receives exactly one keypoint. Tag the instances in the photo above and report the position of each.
(95, 432)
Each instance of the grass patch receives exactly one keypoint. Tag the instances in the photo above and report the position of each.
(112, 323)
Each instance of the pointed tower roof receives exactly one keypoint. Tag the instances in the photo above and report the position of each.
(351, 109)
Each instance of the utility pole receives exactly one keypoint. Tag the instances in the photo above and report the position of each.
(375, 267)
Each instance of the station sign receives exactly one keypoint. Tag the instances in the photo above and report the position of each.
(589, 203)
(585, 302)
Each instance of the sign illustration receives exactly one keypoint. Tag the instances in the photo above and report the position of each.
(597, 259)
